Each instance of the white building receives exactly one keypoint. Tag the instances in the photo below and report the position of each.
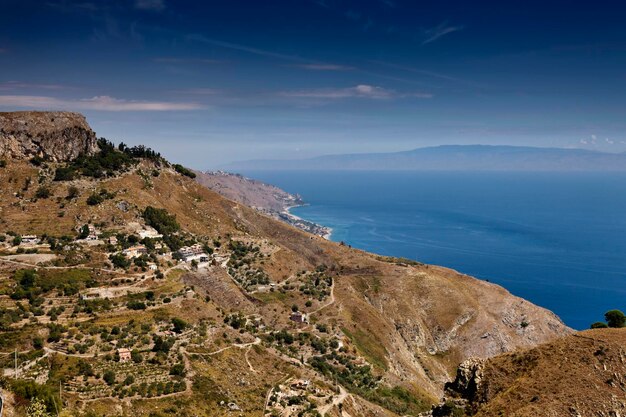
(135, 251)
(149, 232)
(193, 252)
(30, 240)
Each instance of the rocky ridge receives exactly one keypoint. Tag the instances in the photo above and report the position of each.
(54, 136)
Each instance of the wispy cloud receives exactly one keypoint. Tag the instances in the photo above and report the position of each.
(303, 62)
(171, 60)
(324, 67)
(151, 5)
(99, 103)
(361, 91)
(245, 48)
(17, 85)
(427, 73)
(432, 34)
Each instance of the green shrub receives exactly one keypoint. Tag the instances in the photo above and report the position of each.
(178, 370)
(615, 318)
(109, 377)
(184, 171)
(43, 192)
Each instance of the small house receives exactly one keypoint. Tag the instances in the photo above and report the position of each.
(298, 317)
(29, 240)
(135, 251)
(124, 354)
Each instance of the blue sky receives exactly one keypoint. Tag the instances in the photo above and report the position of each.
(210, 82)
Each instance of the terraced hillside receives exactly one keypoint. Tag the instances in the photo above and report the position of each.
(127, 288)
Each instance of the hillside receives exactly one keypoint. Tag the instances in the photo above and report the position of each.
(453, 158)
(247, 191)
(140, 292)
(265, 198)
(579, 375)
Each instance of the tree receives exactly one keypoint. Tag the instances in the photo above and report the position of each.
(599, 325)
(615, 318)
(136, 356)
(178, 370)
(179, 324)
(84, 232)
(109, 377)
(37, 408)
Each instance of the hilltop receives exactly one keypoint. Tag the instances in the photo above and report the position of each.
(454, 158)
(57, 136)
(579, 375)
(141, 292)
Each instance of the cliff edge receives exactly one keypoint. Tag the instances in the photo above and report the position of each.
(55, 136)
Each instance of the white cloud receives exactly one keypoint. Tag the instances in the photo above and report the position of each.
(360, 91)
(609, 141)
(99, 103)
(438, 31)
(153, 5)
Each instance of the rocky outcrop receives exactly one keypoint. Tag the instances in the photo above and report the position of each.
(55, 136)
(582, 374)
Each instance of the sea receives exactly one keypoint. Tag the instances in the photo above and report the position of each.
(556, 239)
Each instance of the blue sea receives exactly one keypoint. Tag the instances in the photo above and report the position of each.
(556, 239)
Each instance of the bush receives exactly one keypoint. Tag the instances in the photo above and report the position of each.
(178, 370)
(94, 199)
(43, 192)
(615, 318)
(599, 325)
(30, 390)
(119, 261)
(136, 305)
(65, 174)
(184, 171)
(109, 377)
(179, 325)
(72, 193)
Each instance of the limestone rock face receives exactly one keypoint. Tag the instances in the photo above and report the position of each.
(469, 377)
(56, 136)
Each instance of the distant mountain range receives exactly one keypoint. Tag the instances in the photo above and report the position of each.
(453, 158)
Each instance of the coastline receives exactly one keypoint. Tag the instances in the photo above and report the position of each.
(327, 231)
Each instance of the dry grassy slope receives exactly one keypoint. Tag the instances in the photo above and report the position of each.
(583, 374)
(247, 191)
(414, 322)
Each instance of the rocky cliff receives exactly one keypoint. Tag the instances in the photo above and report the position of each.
(578, 375)
(55, 136)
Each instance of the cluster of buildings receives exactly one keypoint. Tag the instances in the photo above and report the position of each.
(135, 251)
(193, 252)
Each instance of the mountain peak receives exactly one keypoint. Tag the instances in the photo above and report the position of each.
(57, 136)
